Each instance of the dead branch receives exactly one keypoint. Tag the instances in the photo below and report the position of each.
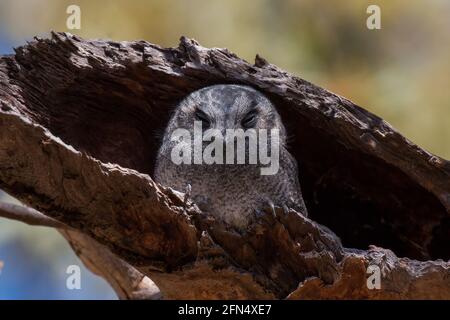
(28, 216)
(127, 282)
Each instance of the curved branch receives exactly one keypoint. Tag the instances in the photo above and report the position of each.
(127, 282)
(28, 215)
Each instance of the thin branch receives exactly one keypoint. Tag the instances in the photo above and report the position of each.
(127, 281)
(29, 216)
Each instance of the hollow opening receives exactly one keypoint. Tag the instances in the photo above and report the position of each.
(119, 116)
(363, 199)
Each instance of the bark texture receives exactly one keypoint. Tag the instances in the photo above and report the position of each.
(80, 122)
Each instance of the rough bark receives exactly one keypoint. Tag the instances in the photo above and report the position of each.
(80, 123)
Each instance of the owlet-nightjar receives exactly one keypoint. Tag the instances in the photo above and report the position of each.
(232, 192)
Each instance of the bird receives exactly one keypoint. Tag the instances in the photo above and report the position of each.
(234, 193)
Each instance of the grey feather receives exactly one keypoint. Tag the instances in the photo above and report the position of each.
(231, 193)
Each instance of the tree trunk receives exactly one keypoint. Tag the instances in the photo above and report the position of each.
(80, 123)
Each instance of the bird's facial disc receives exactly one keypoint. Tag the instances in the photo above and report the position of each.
(231, 124)
(229, 107)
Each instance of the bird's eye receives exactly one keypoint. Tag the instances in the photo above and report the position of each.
(203, 117)
(249, 120)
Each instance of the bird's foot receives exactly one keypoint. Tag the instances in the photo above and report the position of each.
(285, 209)
(187, 194)
(268, 207)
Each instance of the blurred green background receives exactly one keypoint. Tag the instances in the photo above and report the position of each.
(401, 72)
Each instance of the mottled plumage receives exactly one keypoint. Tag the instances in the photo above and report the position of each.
(232, 193)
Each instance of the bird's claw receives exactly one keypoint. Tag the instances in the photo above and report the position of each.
(272, 208)
(285, 209)
(187, 194)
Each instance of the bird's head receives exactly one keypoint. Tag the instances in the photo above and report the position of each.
(225, 107)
